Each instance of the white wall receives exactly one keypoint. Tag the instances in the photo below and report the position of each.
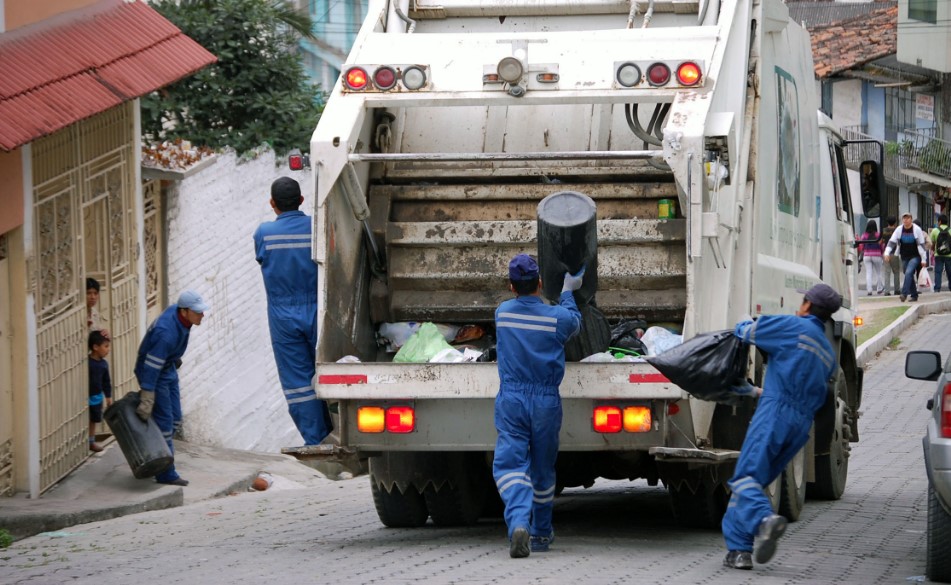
(231, 396)
(847, 103)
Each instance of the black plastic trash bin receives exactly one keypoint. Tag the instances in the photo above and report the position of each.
(568, 240)
(141, 442)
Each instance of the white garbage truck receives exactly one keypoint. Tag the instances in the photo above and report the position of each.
(719, 186)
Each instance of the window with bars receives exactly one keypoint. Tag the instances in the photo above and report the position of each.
(899, 112)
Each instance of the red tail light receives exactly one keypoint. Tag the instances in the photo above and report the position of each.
(384, 78)
(673, 408)
(946, 411)
(688, 73)
(295, 162)
(658, 74)
(400, 419)
(608, 419)
(356, 78)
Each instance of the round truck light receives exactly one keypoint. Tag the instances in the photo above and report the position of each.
(688, 74)
(356, 78)
(510, 69)
(414, 77)
(384, 78)
(628, 75)
(658, 74)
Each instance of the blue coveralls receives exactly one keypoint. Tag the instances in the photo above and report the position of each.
(801, 363)
(531, 338)
(282, 248)
(163, 344)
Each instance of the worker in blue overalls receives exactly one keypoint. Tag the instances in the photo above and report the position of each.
(283, 249)
(801, 365)
(531, 336)
(162, 347)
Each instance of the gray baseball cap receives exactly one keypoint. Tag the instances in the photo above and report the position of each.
(824, 296)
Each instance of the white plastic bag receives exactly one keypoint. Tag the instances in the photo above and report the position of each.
(450, 355)
(658, 340)
(924, 281)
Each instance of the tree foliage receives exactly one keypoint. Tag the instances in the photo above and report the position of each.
(256, 93)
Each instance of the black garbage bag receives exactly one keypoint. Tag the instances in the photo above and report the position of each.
(624, 335)
(707, 366)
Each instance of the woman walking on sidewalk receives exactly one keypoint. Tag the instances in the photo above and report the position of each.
(872, 259)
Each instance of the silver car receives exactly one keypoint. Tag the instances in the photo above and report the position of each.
(926, 365)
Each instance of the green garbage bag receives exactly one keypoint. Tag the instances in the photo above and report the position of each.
(422, 346)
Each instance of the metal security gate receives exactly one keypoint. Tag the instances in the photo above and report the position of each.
(84, 210)
(6, 376)
(154, 238)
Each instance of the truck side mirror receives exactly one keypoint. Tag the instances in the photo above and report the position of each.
(872, 182)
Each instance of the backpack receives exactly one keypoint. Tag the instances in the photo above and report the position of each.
(943, 242)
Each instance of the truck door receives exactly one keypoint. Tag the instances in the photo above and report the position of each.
(841, 270)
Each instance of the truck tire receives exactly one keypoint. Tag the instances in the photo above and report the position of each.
(938, 561)
(399, 509)
(792, 483)
(455, 505)
(832, 468)
(703, 508)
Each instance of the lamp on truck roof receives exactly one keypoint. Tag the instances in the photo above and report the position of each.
(384, 77)
(510, 69)
(414, 77)
(356, 78)
(688, 73)
(628, 75)
(658, 74)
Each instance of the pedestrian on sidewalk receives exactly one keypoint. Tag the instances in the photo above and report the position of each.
(100, 384)
(872, 259)
(531, 337)
(282, 248)
(801, 364)
(941, 244)
(891, 264)
(909, 242)
(156, 371)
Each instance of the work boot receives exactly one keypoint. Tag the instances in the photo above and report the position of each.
(542, 543)
(177, 481)
(770, 529)
(903, 297)
(519, 548)
(739, 559)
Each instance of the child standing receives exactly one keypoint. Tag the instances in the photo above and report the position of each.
(100, 385)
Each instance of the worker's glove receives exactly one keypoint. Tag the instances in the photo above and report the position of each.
(178, 364)
(146, 402)
(573, 281)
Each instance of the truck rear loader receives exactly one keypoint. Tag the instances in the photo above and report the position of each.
(453, 119)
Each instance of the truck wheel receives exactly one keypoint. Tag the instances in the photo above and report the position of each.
(399, 509)
(701, 509)
(832, 468)
(792, 485)
(938, 561)
(455, 505)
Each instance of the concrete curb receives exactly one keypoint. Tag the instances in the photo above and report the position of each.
(868, 350)
(55, 516)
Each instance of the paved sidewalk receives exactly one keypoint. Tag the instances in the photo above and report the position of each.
(103, 487)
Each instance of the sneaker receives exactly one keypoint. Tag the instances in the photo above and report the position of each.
(519, 548)
(95, 447)
(542, 543)
(739, 559)
(903, 297)
(176, 481)
(764, 545)
(912, 299)
(870, 293)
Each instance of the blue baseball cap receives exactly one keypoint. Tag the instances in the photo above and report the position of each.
(192, 300)
(523, 267)
(823, 295)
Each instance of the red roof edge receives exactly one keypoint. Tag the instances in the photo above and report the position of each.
(53, 76)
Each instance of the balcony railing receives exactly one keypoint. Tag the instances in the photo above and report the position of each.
(856, 153)
(922, 152)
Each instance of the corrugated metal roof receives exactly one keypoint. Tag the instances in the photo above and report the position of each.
(818, 14)
(83, 62)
